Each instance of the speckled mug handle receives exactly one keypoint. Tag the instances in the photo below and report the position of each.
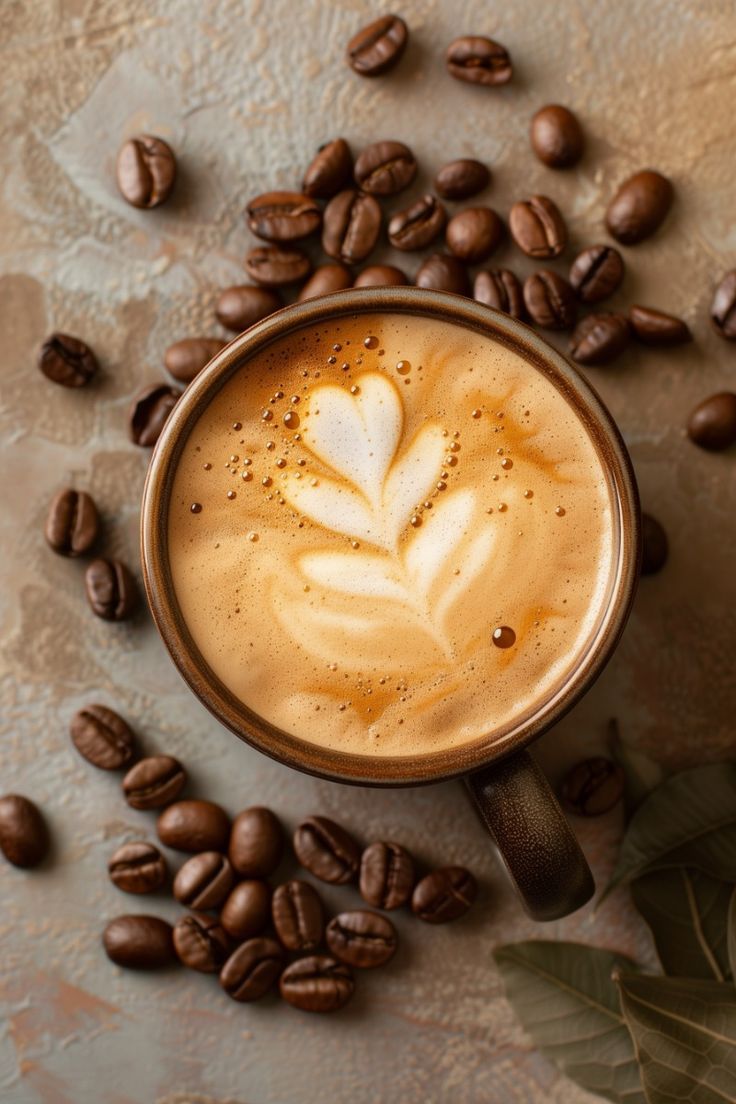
(537, 845)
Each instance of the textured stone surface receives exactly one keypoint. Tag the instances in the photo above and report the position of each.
(245, 92)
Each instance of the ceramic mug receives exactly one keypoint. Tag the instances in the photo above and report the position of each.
(513, 797)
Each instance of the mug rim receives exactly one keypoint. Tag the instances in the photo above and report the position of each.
(447, 763)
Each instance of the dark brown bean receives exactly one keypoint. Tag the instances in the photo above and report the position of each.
(67, 360)
(243, 305)
(378, 47)
(154, 782)
(592, 787)
(380, 276)
(443, 272)
(318, 983)
(654, 327)
(499, 288)
(596, 273)
(194, 826)
(362, 938)
(139, 942)
(201, 942)
(256, 842)
(655, 546)
(204, 881)
(445, 894)
(538, 228)
(473, 234)
(138, 868)
(247, 910)
(277, 265)
(149, 412)
(639, 207)
(298, 916)
(417, 225)
(556, 136)
(599, 338)
(72, 522)
(462, 179)
(111, 590)
(283, 216)
(479, 60)
(252, 969)
(331, 170)
(550, 300)
(385, 168)
(324, 280)
(351, 227)
(102, 737)
(723, 308)
(712, 424)
(386, 875)
(185, 359)
(326, 850)
(146, 171)
(24, 834)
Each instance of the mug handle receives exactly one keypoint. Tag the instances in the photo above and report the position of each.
(537, 845)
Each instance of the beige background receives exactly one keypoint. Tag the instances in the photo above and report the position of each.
(245, 92)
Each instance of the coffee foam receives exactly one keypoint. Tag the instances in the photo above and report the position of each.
(390, 506)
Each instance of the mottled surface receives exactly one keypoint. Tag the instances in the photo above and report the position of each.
(245, 92)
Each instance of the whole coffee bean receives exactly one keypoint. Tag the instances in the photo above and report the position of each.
(139, 942)
(385, 168)
(712, 424)
(445, 894)
(443, 272)
(283, 216)
(256, 842)
(592, 787)
(655, 546)
(138, 868)
(317, 983)
(146, 171)
(111, 590)
(24, 835)
(723, 308)
(550, 300)
(462, 179)
(149, 412)
(204, 881)
(194, 826)
(556, 136)
(386, 875)
(538, 228)
(154, 782)
(499, 288)
(252, 969)
(362, 938)
(654, 327)
(599, 338)
(479, 60)
(331, 170)
(381, 276)
(639, 207)
(201, 942)
(378, 47)
(72, 523)
(243, 305)
(247, 910)
(325, 279)
(277, 265)
(67, 360)
(185, 359)
(326, 850)
(596, 273)
(352, 223)
(298, 916)
(102, 737)
(417, 225)
(473, 234)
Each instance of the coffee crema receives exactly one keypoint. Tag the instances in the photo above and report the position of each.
(390, 535)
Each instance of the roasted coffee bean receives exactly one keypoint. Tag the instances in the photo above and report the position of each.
(418, 225)
(352, 224)
(653, 327)
(592, 787)
(386, 875)
(550, 300)
(138, 868)
(243, 305)
(362, 938)
(381, 276)
(149, 412)
(154, 782)
(252, 969)
(473, 234)
(556, 136)
(712, 424)
(247, 910)
(599, 338)
(378, 47)
(194, 826)
(385, 168)
(499, 288)
(462, 179)
(72, 523)
(139, 942)
(325, 279)
(596, 273)
(445, 894)
(185, 359)
(538, 228)
(639, 207)
(326, 850)
(24, 835)
(256, 842)
(317, 983)
(146, 171)
(479, 60)
(111, 590)
(204, 881)
(67, 360)
(276, 265)
(102, 737)
(655, 545)
(283, 216)
(201, 942)
(331, 170)
(723, 308)
(443, 272)
(298, 916)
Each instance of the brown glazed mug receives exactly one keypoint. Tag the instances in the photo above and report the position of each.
(513, 797)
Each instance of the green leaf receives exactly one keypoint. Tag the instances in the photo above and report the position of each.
(643, 775)
(731, 937)
(687, 912)
(564, 997)
(685, 1036)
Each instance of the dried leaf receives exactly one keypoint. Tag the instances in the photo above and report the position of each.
(643, 775)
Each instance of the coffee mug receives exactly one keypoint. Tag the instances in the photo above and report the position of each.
(512, 795)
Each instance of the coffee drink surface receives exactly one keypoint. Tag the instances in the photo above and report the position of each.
(390, 535)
